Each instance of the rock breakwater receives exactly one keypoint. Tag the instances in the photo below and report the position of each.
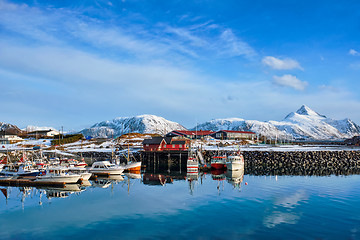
(318, 163)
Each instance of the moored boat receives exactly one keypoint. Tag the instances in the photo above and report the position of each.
(85, 174)
(21, 170)
(192, 165)
(218, 162)
(58, 174)
(105, 167)
(133, 167)
(235, 162)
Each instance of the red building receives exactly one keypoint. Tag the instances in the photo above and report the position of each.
(160, 144)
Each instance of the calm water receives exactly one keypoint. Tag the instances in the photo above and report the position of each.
(172, 207)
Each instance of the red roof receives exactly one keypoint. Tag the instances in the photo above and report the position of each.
(198, 133)
(229, 131)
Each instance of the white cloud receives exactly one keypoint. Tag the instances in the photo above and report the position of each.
(289, 80)
(354, 52)
(281, 64)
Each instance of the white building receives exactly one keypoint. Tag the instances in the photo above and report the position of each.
(43, 133)
(9, 138)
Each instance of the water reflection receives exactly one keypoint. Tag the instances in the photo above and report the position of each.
(148, 177)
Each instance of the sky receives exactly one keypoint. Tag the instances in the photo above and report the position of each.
(75, 63)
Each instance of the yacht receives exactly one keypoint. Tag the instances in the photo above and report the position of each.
(105, 167)
(58, 174)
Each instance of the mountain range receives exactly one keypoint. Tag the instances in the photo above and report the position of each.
(140, 124)
(304, 124)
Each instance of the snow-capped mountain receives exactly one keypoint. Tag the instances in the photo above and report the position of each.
(10, 128)
(304, 124)
(139, 124)
(239, 124)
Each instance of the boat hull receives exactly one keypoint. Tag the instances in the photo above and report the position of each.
(86, 176)
(107, 171)
(133, 167)
(218, 165)
(65, 179)
(192, 166)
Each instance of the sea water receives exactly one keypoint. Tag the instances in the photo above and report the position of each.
(181, 206)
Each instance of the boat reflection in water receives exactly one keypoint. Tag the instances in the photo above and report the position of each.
(235, 178)
(105, 182)
(133, 175)
(58, 192)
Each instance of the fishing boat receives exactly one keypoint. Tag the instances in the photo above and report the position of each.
(218, 162)
(235, 162)
(21, 170)
(105, 167)
(133, 167)
(58, 174)
(192, 165)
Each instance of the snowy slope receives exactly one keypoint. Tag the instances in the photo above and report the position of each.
(304, 124)
(139, 124)
(9, 128)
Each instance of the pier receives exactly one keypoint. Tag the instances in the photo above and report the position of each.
(30, 183)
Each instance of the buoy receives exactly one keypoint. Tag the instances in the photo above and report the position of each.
(246, 183)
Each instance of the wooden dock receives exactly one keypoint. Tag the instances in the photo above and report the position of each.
(29, 183)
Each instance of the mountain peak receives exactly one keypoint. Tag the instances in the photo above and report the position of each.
(305, 110)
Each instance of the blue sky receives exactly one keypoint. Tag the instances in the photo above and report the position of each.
(75, 63)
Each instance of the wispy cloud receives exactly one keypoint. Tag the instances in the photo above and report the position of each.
(234, 46)
(289, 80)
(353, 52)
(281, 64)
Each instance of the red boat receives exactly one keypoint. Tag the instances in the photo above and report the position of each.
(218, 162)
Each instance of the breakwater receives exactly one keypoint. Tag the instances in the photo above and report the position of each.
(317, 163)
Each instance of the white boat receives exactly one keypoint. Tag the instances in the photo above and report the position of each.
(105, 167)
(192, 165)
(85, 174)
(58, 174)
(21, 170)
(235, 162)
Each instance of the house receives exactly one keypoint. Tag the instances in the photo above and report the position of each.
(7, 137)
(160, 144)
(189, 134)
(43, 133)
(234, 135)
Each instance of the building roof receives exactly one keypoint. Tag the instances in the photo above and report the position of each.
(41, 131)
(178, 142)
(157, 140)
(187, 133)
(230, 131)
